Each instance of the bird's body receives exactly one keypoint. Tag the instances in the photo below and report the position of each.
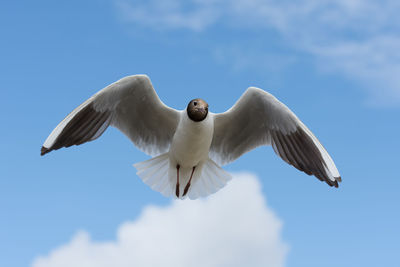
(187, 143)
(191, 142)
(187, 160)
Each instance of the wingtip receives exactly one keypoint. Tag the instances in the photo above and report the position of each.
(44, 150)
(337, 181)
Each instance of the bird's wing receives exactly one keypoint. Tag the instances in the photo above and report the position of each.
(131, 105)
(258, 118)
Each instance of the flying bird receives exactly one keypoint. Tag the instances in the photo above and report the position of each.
(189, 146)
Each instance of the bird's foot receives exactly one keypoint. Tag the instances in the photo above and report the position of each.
(177, 181)
(188, 184)
(177, 190)
(186, 189)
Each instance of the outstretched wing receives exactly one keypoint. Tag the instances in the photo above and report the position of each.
(131, 105)
(258, 118)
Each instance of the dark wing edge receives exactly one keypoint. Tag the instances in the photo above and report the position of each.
(299, 150)
(82, 125)
(257, 119)
(129, 104)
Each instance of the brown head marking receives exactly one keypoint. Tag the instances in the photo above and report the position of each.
(197, 109)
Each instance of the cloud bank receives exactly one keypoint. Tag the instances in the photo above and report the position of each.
(232, 228)
(356, 38)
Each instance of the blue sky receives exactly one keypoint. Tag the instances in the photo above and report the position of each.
(335, 64)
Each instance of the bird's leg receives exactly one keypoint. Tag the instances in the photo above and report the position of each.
(188, 184)
(177, 180)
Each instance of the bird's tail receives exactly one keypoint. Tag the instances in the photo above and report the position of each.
(157, 173)
(207, 179)
(154, 173)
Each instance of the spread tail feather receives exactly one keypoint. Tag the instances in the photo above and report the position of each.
(154, 173)
(157, 173)
(210, 178)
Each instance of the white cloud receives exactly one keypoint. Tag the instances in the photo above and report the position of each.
(358, 38)
(169, 14)
(233, 227)
(243, 59)
(374, 63)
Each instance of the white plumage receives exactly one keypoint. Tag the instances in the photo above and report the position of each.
(188, 143)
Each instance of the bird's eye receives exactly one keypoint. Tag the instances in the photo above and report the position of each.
(195, 103)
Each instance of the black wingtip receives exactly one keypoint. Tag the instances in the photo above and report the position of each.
(44, 150)
(337, 181)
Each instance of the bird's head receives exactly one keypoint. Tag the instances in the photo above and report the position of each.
(197, 109)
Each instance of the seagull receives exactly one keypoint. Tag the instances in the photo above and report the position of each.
(188, 147)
